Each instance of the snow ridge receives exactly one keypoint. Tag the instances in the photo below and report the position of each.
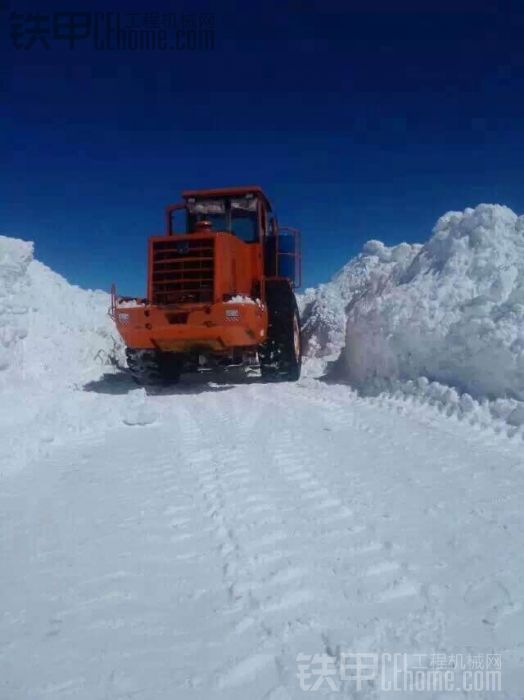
(501, 416)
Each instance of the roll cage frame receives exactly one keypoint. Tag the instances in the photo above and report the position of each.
(267, 222)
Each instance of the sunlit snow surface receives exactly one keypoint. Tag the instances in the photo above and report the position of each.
(191, 544)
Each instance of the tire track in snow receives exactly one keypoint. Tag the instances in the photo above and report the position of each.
(362, 569)
(254, 512)
(247, 526)
(224, 483)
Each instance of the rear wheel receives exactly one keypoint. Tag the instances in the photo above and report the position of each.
(152, 367)
(281, 355)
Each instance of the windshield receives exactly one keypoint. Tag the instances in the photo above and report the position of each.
(237, 215)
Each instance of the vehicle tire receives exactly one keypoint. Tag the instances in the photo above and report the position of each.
(281, 355)
(152, 367)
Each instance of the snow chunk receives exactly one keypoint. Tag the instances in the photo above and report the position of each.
(242, 299)
(130, 304)
(516, 417)
(138, 410)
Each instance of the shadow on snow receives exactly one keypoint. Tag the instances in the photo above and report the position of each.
(119, 383)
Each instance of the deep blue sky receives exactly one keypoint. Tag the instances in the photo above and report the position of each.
(361, 120)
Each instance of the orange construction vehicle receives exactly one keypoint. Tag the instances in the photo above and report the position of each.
(220, 291)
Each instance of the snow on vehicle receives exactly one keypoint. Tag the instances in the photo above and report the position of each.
(219, 293)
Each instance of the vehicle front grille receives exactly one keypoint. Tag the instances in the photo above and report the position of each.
(183, 270)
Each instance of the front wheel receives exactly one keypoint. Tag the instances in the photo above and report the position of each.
(281, 355)
(152, 367)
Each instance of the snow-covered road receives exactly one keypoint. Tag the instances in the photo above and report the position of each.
(197, 556)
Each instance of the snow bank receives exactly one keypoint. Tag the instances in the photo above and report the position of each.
(442, 321)
(455, 315)
(15, 258)
(49, 329)
(324, 310)
(54, 338)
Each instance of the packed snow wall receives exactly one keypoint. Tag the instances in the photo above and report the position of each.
(49, 329)
(451, 310)
(324, 309)
(456, 314)
(15, 257)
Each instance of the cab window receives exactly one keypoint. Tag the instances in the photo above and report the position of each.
(236, 215)
(244, 218)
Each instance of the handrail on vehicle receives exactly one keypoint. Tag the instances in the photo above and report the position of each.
(296, 253)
